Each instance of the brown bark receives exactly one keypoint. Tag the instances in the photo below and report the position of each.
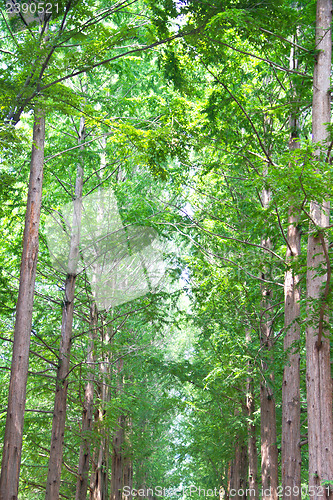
(100, 466)
(269, 454)
(291, 411)
(12, 449)
(238, 473)
(99, 475)
(128, 476)
(117, 461)
(252, 453)
(87, 415)
(117, 445)
(318, 372)
(59, 413)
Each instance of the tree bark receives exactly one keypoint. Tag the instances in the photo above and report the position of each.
(100, 469)
(117, 444)
(128, 476)
(251, 433)
(291, 410)
(59, 413)
(87, 416)
(99, 475)
(11, 458)
(318, 371)
(269, 454)
(117, 461)
(238, 473)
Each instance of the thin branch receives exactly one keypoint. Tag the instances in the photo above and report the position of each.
(268, 61)
(282, 232)
(8, 27)
(114, 58)
(243, 110)
(238, 240)
(76, 147)
(39, 411)
(285, 40)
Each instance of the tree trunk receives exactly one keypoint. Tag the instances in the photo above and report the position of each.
(99, 475)
(117, 444)
(238, 473)
(117, 461)
(269, 454)
(87, 416)
(251, 433)
(128, 476)
(291, 411)
(318, 372)
(12, 449)
(59, 413)
(100, 469)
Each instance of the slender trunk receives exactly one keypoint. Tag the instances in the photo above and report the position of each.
(128, 476)
(318, 372)
(87, 416)
(238, 473)
(12, 449)
(269, 454)
(117, 461)
(59, 413)
(100, 469)
(251, 433)
(291, 410)
(291, 450)
(224, 483)
(99, 476)
(128, 461)
(117, 445)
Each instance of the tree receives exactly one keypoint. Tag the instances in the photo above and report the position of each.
(60, 402)
(11, 458)
(318, 371)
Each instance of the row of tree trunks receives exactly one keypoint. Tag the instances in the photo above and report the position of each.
(319, 381)
(121, 466)
(12, 449)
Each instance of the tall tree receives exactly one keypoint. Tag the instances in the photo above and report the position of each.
(318, 370)
(11, 458)
(252, 452)
(60, 402)
(88, 410)
(291, 405)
